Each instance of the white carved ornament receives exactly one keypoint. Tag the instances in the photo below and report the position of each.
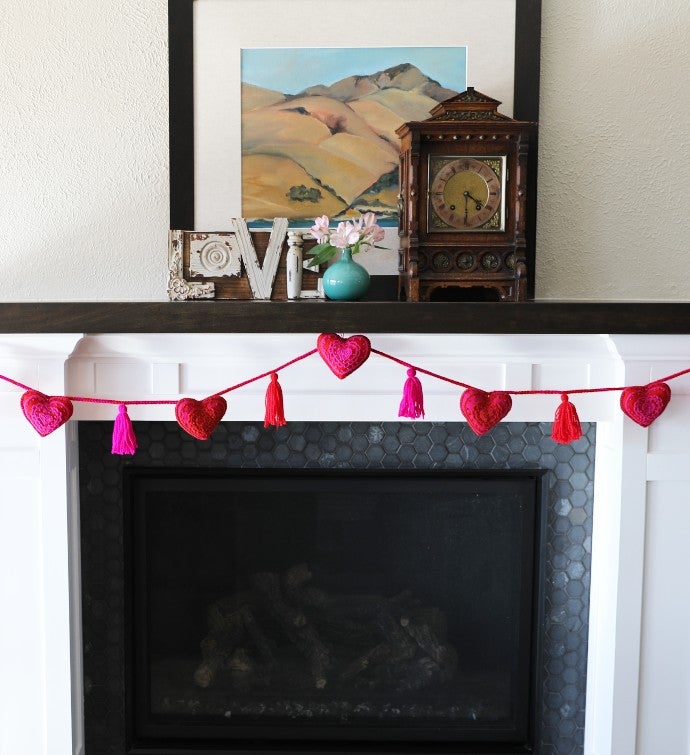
(180, 289)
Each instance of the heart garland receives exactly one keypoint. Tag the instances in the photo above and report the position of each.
(46, 413)
(483, 410)
(644, 403)
(343, 355)
(200, 418)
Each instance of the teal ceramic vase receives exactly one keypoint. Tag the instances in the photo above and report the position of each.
(345, 280)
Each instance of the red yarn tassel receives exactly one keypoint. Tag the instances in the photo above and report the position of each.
(274, 403)
(412, 404)
(566, 423)
(124, 440)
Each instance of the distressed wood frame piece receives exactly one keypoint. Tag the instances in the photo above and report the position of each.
(181, 88)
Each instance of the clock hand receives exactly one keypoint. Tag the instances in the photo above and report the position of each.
(477, 202)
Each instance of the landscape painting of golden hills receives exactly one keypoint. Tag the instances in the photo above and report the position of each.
(318, 125)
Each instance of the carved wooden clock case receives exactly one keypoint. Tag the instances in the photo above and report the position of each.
(463, 187)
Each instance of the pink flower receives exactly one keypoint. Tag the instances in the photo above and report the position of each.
(371, 232)
(357, 234)
(368, 220)
(320, 229)
(346, 234)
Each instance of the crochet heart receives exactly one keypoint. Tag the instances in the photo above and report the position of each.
(644, 403)
(200, 418)
(343, 355)
(46, 413)
(483, 410)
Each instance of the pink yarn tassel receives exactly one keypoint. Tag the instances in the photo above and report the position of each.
(412, 404)
(124, 439)
(274, 403)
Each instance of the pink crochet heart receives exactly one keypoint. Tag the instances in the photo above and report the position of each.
(200, 418)
(644, 403)
(343, 355)
(484, 410)
(46, 413)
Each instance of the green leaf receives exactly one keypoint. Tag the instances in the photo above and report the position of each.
(322, 253)
(320, 248)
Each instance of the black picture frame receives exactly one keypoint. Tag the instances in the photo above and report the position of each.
(181, 110)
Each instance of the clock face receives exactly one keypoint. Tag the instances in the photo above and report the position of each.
(466, 193)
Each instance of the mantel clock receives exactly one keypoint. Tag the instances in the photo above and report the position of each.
(463, 177)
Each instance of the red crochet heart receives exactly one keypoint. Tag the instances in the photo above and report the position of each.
(343, 355)
(644, 403)
(200, 418)
(483, 410)
(46, 413)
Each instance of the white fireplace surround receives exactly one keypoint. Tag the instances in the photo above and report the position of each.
(638, 686)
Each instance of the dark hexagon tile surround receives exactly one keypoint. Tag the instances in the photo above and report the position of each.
(386, 445)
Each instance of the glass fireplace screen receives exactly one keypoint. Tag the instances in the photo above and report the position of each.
(344, 606)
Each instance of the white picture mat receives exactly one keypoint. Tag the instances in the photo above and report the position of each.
(223, 27)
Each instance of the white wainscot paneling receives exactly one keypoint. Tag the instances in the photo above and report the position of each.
(21, 629)
(664, 702)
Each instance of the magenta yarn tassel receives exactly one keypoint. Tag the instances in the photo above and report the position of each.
(412, 404)
(124, 439)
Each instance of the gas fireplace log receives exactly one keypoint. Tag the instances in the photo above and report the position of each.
(216, 652)
(295, 581)
(420, 673)
(344, 632)
(231, 621)
(441, 653)
(295, 625)
(228, 612)
(368, 641)
(296, 576)
(299, 592)
(398, 647)
(259, 639)
(226, 630)
(374, 655)
(403, 676)
(245, 672)
(308, 642)
(268, 586)
(400, 642)
(430, 615)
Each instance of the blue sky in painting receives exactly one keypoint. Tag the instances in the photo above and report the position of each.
(290, 70)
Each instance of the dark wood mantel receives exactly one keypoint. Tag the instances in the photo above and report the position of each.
(546, 317)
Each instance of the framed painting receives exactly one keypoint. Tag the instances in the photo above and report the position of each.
(244, 73)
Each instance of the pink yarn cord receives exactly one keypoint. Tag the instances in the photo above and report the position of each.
(14, 382)
(164, 402)
(266, 374)
(544, 392)
(459, 383)
(420, 369)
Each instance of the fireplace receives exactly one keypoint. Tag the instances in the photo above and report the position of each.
(634, 630)
(420, 529)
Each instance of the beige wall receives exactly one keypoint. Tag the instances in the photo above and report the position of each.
(83, 146)
(614, 177)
